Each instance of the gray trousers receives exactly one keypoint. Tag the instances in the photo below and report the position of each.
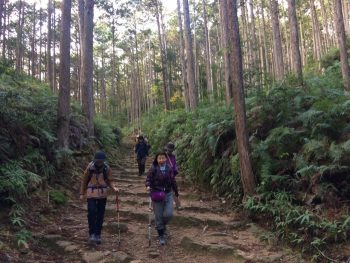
(163, 211)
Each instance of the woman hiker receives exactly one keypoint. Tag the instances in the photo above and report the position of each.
(95, 182)
(161, 183)
(171, 161)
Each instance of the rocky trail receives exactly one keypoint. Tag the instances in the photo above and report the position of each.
(204, 231)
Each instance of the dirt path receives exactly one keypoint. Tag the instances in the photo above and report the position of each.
(203, 232)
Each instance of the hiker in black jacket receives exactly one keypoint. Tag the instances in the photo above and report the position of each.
(141, 150)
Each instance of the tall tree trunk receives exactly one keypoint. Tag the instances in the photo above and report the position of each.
(64, 92)
(316, 32)
(81, 8)
(5, 12)
(190, 59)
(40, 43)
(54, 48)
(182, 56)
(227, 53)
(262, 47)
(325, 21)
(19, 29)
(267, 60)
(253, 39)
(346, 15)
(163, 59)
(245, 41)
(247, 176)
(137, 102)
(103, 97)
(207, 53)
(87, 67)
(294, 38)
(277, 42)
(339, 23)
(33, 44)
(49, 42)
(114, 93)
(195, 51)
(167, 63)
(1, 14)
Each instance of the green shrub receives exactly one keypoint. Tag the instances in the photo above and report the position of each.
(58, 197)
(108, 134)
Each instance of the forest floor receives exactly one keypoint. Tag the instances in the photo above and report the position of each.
(204, 231)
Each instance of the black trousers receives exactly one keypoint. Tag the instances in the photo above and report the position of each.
(96, 212)
(141, 164)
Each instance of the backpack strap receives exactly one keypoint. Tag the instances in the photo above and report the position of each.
(171, 163)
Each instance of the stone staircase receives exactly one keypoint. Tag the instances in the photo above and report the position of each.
(204, 231)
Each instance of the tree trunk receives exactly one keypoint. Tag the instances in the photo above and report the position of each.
(49, 41)
(33, 44)
(64, 92)
(244, 39)
(277, 42)
(182, 56)
(163, 59)
(339, 23)
(190, 59)
(346, 16)
(227, 53)
(324, 16)
(54, 48)
(262, 48)
(114, 94)
(2, 14)
(294, 38)
(40, 42)
(87, 67)
(81, 8)
(253, 39)
(207, 54)
(316, 32)
(247, 176)
(19, 36)
(5, 11)
(103, 96)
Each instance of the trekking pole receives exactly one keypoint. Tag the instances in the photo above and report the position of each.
(117, 205)
(149, 221)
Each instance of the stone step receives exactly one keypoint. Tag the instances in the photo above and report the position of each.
(181, 220)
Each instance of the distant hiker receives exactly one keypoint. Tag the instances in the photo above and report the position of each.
(141, 150)
(95, 182)
(161, 183)
(171, 161)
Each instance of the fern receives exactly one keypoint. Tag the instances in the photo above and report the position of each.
(310, 117)
(314, 150)
(15, 180)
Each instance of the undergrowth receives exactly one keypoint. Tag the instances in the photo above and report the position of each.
(300, 143)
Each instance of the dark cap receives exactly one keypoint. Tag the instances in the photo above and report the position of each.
(100, 156)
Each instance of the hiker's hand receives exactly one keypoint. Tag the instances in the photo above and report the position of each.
(148, 189)
(81, 197)
(116, 189)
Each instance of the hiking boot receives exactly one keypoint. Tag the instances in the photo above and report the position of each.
(161, 240)
(98, 239)
(92, 239)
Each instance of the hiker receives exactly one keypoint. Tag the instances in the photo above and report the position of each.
(171, 161)
(95, 182)
(161, 183)
(141, 150)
